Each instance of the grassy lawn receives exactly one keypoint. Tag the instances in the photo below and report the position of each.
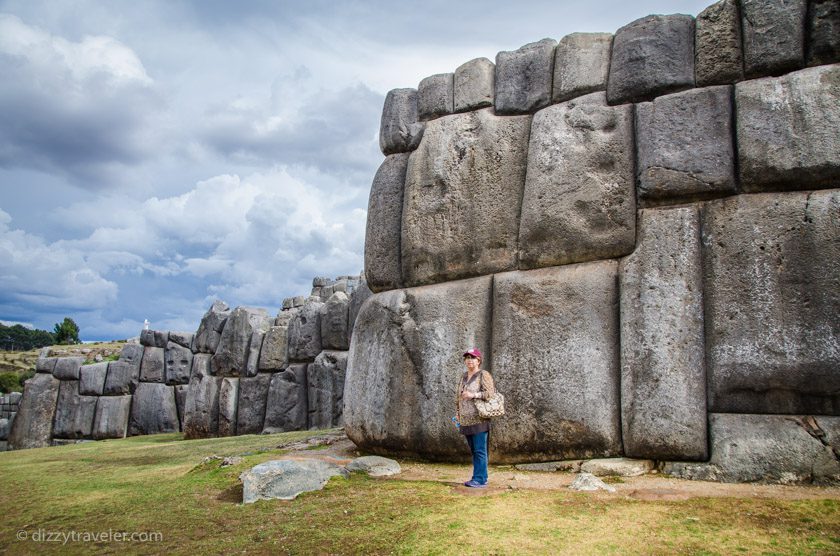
(158, 484)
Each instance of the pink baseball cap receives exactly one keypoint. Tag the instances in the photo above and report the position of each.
(475, 352)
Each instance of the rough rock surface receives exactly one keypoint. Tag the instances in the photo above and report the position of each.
(92, 379)
(523, 78)
(586, 482)
(45, 364)
(434, 96)
(361, 295)
(581, 65)
(663, 376)
(178, 363)
(287, 405)
(789, 130)
(384, 224)
(67, 368)
(773, 35)
(823, 32)
(462, 197)
(181, 391)
(73, 413)
(231, 355)
(122, 378)
(579, 203)
(684, 145)
(305, 332)
(252, 366)
(228, 396)
(250, 414)
(404, 365)
(184, 339)
(111, 417)
(333, 364)
(474, 84)
(210, 330)
(153, 367)
(286, 479)
(153, 409)
(334, 316)
(719, 56)
(555, 350)
(399, 130)
(772, 296)
(375, 466)
(621, 467)
(572, 465)
(32, 426)
(133, 355)
(273, 355)
(651, 56)
(154, 338)
(201, 411)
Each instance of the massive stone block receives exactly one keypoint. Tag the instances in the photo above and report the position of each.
(67, 368)
(772, 296)
(181, 391)
(405, 362)
(334, 316)
(73, 413)
(462, 197)
(773, 35)
(474, 83)
(133, 355)
(273, 355)
(651, 56)
(153, 368)
(201, 411)
(122, 378)
(45, 364)
(434, 96)
(153, 409)
(767, 448)
(287, 405)
(177, 363)
(250, 413)
(663, 375)
(361, 295)
(111, 417)
(305, 332)
(92, 378)
(184, 339)
(579, 201)
(684, 145)
(254, 348)
(555, 358)
(32, 426)
(384, 224)
(823, 32)
(718, 53)
(523, 78)
(154, 338)
(333, 364)
(581, 65)
(228, 396)
(231, 355)
(210, 330)
(399, 130)
(789, 130)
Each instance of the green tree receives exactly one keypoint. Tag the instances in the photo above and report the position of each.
(67, 332)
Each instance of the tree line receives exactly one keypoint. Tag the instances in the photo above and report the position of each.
(19, 338)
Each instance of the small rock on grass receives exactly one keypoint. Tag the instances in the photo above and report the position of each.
(375, 466)
(589, 482)
(286, 479)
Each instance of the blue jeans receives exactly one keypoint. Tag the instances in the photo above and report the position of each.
(478, 447)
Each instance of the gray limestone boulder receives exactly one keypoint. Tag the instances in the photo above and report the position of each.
(184, 339)
(122, 378)
(201, 409)
(252, 367)
(617, 467)
(286, 479)
(434, 96)
(773, 35)
(404, 365)
(663, 374)
(462, 197)
(399, 130)
(250, 413)
(181, 391)
(786, 449)
(210, 330)
(581, 65)
(92, 379)
(651, 56)
(330, 368)
(384, 224)
(111, 417)
(73, 412)
(154, 338)
(718, 52)
(334, 316)
(360, 295)
(823, 37)
(305, 332)
(177, 363)
(231, 357)
(684, 145)
(555, 358)
(374, 466)
(45, 364)
(132, 354)
(474, 84)
(523, 78)
(579, 200)
(5, 427)
(772, 296)
(153, 409)
(273, 354)
(788, 130)
(587, 482)
(32, 426)
(319, 393)
(287, 406)
(67, 368)
(153, 367)
(228, 396)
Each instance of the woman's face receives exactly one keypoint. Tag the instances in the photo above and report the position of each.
(472, 363)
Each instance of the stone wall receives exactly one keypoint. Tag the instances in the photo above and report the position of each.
(241, 372)
(8, 409)
(642, 233)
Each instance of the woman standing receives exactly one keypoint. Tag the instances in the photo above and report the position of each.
(475, 384)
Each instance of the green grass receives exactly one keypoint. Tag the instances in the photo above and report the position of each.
(158, 483)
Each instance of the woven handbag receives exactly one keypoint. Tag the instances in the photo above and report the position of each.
(494, 407)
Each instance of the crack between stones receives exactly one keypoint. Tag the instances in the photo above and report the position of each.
(812, 427)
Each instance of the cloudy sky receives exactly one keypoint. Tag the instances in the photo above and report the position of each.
(158, 155)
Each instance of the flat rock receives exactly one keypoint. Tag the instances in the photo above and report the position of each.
(201, 409)
(384, 224)
(32, 426)
(73, 413)
(250, 413)
(375, 466)
(305, 332)
(273, 355)
(719, 57)
(579, 203)
(177, 363)
(286, 479)
(823, 32)
(210, 330)
(67, 368)
(474, 85)
(587, 482)
(523, 78)
(153, 409)
(621, 467)
(462, 197)
(572, 465)
(228, 397)
(434, 96)
(153, 368)
(773, 35)
(92, 379)
(400, 130)
(111, 417)
(581, 65)
(122, 378)
(287, 406)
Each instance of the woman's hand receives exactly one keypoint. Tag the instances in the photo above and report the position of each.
(467, 395)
